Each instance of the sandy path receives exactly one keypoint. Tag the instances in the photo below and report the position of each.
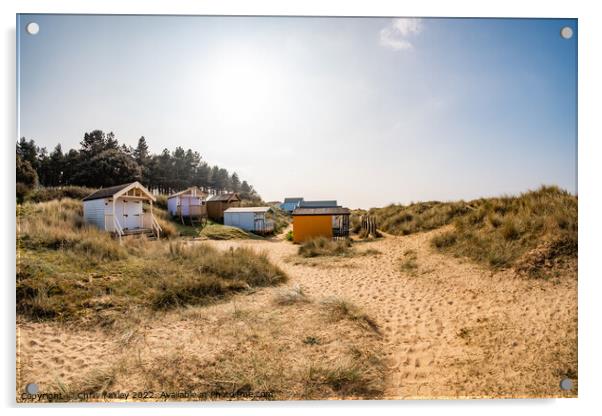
(451, 328)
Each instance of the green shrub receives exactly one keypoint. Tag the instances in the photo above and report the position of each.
(22, 191)
(45, 194)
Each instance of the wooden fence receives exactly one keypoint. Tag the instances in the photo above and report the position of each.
(369, 225)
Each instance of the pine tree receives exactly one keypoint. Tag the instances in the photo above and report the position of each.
(235, 183)
(141, 152)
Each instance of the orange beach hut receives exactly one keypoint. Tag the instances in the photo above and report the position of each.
(320, 222)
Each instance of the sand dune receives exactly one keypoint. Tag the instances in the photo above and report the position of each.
(449, 328)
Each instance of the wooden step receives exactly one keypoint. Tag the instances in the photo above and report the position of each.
(138, 231)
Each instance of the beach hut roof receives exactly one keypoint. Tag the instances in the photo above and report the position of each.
(187, 190)
(248, 209)
(224, 197)
(322, 211)
(118, 190)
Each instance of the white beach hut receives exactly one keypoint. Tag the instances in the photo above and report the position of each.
(189, 202)
(121, 210)
(249, 219)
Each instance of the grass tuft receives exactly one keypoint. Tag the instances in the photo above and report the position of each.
(291, 296)
(341, 309)
(322, 246)
(409, 262)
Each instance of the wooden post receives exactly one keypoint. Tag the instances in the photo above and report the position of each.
(189, 211)
(115, 221)
(151, 210)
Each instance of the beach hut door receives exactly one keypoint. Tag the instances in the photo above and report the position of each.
(131, 214)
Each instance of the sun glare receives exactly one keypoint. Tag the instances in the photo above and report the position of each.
(243, 86)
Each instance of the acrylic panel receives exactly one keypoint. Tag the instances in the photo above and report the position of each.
(295, 208)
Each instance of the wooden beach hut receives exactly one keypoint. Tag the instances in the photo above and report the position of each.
(217, 204)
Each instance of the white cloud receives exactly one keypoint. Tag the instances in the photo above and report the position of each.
(396, 34)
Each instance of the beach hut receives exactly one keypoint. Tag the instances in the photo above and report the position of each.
(122, 210)
(217, 204)
(249, 219)
(332, 222)
(290, 204)
(189, 204)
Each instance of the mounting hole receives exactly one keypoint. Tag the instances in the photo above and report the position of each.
(566, 384)
(566, 32)
(32, 28)
(31, 388)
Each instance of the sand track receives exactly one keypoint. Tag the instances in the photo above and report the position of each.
(450, 327)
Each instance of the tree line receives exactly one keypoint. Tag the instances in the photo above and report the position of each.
(101, 162)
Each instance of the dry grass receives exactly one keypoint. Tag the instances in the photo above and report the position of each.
(358, 377)
(168, 229)
(530, 231)
(341, 309)
(59, 224)
(417, 217)
(291, 296)
(67, 270)
(409, 262)
(260, 356)
(322, 246)
(497, 232)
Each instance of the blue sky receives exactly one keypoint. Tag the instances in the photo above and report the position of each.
(368, 111)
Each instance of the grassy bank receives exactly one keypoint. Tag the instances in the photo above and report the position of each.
(533, 231)
(67, 269)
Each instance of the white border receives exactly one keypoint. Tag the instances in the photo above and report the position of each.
(590, 203)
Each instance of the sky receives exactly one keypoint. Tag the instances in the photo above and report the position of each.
(367, 111)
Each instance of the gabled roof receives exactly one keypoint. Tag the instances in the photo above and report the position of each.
(248, 209)
(224, 198)
(322, 211)
(188, 190)
(118, 190)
